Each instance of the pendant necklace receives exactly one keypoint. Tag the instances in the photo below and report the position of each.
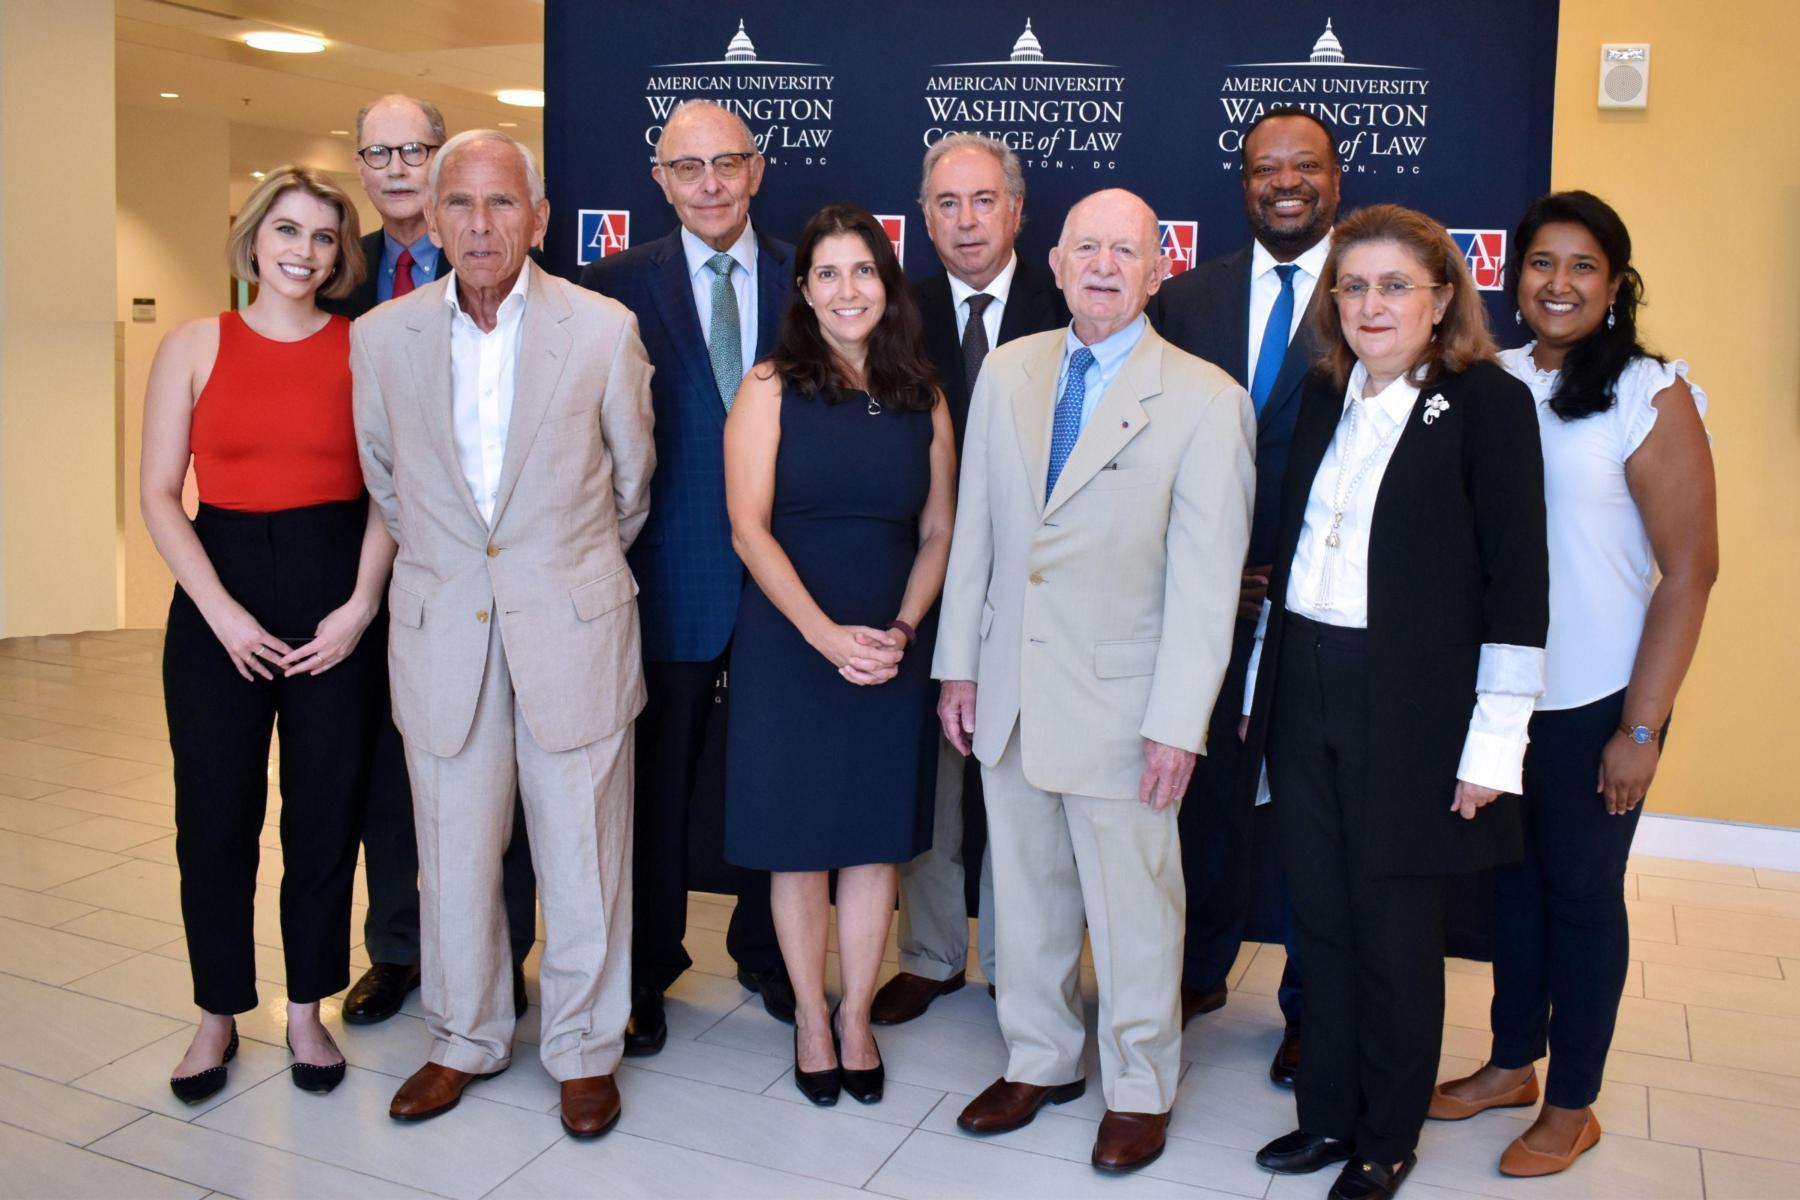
(1342, 495)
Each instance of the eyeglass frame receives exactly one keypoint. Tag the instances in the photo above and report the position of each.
(740, 159)
(387, 153)
(1387, 291)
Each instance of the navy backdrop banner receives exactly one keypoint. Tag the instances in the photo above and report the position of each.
(1443, 105)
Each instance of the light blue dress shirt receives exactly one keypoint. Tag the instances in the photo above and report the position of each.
(1110, 354)
(424, 268)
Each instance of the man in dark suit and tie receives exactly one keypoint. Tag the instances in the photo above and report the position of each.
(396, 137)
(972, 190)
(1248, 312)
(708, 299)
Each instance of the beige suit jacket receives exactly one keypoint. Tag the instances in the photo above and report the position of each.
(574, 490)
(1104, 616)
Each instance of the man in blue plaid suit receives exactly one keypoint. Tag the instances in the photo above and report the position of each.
(708, 299)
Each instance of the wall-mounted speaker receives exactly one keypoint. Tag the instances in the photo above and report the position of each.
(1625, 75)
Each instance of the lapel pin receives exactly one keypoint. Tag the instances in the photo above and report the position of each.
(1434, 408)
(1124, 424)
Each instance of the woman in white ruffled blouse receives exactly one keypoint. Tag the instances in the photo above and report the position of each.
(1628, 481)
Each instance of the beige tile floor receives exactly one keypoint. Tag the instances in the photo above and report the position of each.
(1702, 1096)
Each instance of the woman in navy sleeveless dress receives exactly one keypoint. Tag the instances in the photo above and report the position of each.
(839, 468)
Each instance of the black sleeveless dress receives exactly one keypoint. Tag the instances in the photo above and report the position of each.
(819, 772)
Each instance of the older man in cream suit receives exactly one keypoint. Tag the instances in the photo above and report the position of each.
(503, 417)
(1104, 512)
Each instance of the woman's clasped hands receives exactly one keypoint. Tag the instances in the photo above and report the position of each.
(862, 655)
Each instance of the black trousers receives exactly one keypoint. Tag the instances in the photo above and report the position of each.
(672, 731)
(1220, 853)
(1373, 945)
(1561, 936)
(289, 569)
(391, 860)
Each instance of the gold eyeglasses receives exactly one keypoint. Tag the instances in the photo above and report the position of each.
(1387, 290)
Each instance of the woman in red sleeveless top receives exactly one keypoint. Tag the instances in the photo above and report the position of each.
(278, 578)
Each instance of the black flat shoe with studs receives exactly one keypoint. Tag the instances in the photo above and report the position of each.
(310, 1077)
(192, 1089)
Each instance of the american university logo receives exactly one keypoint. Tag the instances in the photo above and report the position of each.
(788, 105)
(1058, 114)
(1485, 250)
(1179, 238)
(600, 232)
(895, 228)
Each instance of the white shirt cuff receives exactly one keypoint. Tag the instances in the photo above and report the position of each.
(1256, 649)
(1493, 753)
(1511, 670)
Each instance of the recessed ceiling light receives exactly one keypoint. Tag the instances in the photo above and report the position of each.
(341, 132)
(258, 174)
(170, 95)
(521, 97)
(285, 43)
(507, 124)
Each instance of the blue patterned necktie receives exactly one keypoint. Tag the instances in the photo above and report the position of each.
(1067, 425)
(1274, 339)
(725, 345)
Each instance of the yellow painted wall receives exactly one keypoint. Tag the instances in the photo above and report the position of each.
(1708, 180)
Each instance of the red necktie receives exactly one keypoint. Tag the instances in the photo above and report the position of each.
(403, 280)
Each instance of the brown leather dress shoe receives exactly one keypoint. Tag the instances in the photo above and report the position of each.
(1196, 1001)
(590, 1106)
(1129, 1140)
(1445, 1107)
(1286, 1064)
(433, 1089)
(906, 996)
(1522, 1161)
(1006, 1105)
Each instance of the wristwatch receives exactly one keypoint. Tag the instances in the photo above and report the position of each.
(1643, 735)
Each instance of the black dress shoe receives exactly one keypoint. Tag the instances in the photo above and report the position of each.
(775, 989)
(521, 1001)
(1364, 1180)
(380, 992)
(192, 1089)
(1197, 1001)
(821, 1087)
(1300, 1153)
(647, 1030)
(1286, 1063)
(310, 1077)
(864, 1086)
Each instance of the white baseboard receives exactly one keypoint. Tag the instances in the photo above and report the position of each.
(1699, 840)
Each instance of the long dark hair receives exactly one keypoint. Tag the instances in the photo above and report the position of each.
(897, 372)
(1591, 369)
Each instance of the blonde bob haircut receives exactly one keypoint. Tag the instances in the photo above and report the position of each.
(1461, 339)
(240, 247)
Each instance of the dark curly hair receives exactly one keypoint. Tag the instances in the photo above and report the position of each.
(1591, 369)
(897, 372)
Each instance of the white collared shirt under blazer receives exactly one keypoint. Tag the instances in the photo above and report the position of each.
(1104, 615)
(1602, 570)
(482, 366)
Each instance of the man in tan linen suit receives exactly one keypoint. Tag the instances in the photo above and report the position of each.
(1102, 519)
(503, 417)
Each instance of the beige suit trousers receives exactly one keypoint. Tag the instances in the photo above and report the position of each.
(1058, 859)
(934, 914)
(578, 814)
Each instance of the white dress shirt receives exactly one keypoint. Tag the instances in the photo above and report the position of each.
(482, 367)
(999, 288)
(743, 284)
(1330, 584)
(1265, 287)
(1602, 570)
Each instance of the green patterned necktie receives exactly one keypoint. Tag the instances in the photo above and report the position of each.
(725, 346)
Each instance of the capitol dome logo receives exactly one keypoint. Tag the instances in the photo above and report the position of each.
(788, 105)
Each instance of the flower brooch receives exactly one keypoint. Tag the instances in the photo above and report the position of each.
(1434, 408)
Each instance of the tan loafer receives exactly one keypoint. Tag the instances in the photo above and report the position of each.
(1523, 1162)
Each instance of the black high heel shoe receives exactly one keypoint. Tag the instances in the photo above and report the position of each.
(821, 1087)
(864, 1086)
(310, 1077)
(192, 1089)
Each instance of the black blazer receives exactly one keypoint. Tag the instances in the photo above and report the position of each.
(1206, 311)
(363, 298)
(1034, 305)
(1457, 558)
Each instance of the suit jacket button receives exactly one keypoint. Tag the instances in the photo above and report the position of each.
(481, 614)
(493, 552)
(1036, 578)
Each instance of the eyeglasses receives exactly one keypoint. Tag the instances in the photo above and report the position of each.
(413, 154)
(725, 167)
(1391, 290)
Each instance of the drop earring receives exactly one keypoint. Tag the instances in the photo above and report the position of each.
(1610, 319)
(1518, 317)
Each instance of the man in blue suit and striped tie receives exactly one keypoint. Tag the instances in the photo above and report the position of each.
(1249, 313)
(708, 299)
